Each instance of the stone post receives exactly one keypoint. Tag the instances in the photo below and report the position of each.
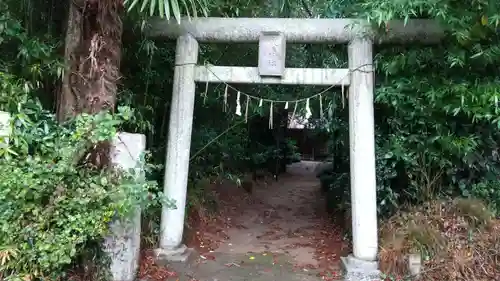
(124, 244)
(362, 264)
(178, 151)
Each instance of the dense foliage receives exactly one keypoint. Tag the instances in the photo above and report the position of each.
(436, 118)
(436, 108)
(53, 203)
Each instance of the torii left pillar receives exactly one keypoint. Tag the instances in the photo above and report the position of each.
(178, 152)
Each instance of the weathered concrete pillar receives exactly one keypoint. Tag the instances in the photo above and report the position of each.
(124, 244)
(362, 264)
(178, 148)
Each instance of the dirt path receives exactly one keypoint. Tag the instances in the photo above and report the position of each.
(279, 232)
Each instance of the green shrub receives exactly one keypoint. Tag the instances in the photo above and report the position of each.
(488, 191)
(53, 203)
(436, 130)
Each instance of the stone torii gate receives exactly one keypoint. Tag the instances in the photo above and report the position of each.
(359, 36)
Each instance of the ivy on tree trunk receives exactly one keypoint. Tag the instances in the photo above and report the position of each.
(92, 57)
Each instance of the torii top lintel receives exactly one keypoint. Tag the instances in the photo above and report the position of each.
(296, 30)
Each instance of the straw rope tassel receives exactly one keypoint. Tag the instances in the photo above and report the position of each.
(225, 99)
(238, 105)
(246, 109)
(320, 106)
(308, 110)
(271, 115)
(330, 111)
(294, 111)
(205, 94)
(343, 98)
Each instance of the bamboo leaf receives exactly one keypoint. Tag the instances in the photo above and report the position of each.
(166, 7)
(203, 6)
(161, 9)
(152, 8)
(144, 4)
(176, 10)
(133, 5)
(186, 8)
(193, 7)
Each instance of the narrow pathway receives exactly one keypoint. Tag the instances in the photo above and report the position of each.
(279, 232)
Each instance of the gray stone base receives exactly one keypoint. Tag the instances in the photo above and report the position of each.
(360, 270)
(180, 254)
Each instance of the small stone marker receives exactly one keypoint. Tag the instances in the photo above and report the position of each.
(272, 51)
(414, 264)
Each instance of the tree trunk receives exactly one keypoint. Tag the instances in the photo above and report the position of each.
(92, 57)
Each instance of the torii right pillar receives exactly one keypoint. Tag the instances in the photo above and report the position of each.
(362, 264)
